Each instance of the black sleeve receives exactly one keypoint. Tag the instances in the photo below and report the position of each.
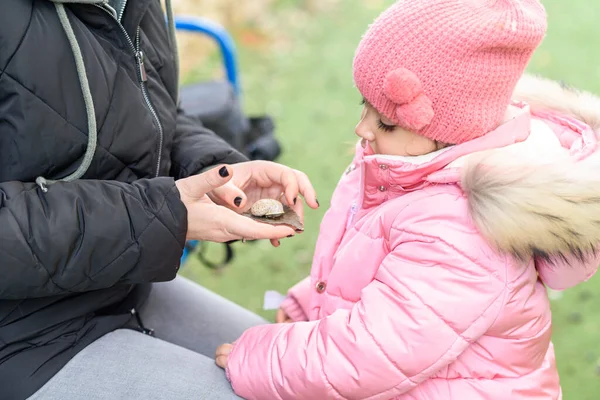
(195, 148)
(87, 235)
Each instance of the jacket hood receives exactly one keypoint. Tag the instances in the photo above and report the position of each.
(542, 199)
(532, 184)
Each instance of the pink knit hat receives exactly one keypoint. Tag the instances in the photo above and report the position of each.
(446, 69)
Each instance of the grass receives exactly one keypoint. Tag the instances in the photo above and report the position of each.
(306, 85)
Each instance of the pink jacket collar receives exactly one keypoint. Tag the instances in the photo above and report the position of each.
(384, 177)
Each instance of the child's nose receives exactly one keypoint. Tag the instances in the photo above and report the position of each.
(362, 130)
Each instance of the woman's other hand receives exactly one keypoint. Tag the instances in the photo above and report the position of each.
(255, 180)
(212, 222)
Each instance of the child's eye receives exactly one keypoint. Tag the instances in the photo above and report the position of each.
(384, 127)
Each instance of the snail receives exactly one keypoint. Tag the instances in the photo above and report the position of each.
(267, 208)
(273, 212)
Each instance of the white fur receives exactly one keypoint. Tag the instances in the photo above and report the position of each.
(532, 198)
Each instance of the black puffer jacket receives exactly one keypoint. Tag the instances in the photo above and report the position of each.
(76, 257)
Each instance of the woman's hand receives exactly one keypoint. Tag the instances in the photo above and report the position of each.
(211, 222)
(255, 180)
(222, 355)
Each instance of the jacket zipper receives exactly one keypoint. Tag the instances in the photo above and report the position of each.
(142, 76)
(352, 214)
(122, 10)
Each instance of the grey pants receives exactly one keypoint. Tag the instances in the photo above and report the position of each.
(189, 321)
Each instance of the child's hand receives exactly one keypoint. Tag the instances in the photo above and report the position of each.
(282, 317)
(222, 354)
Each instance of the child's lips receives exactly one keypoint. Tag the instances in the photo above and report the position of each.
(367, 148)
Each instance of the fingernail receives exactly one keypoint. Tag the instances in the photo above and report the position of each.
(317, 200)
(299, 230)
(223, 172)
(295, 199)
(278, 243)
(237, 201)
(290, 236)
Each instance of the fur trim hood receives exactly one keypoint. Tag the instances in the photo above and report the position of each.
(546, 205)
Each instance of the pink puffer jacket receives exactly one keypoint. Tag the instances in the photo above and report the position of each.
(423, 285)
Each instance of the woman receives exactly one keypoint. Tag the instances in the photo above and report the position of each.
(101, 185)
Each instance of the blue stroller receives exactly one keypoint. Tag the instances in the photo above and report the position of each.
(217, 106)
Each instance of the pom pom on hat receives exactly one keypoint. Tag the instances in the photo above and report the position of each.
(414, 109)
(416, 114)
(402, 86)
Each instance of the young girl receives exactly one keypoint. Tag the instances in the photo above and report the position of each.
(466, 199)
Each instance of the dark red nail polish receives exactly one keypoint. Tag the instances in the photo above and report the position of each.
(290, 236)
(237, 201)
(317, 202)
(295, 199)
(223, 172)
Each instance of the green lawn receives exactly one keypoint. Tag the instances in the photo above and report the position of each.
(307, 86)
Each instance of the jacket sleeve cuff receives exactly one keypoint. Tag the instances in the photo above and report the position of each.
(293, 309)
(163, 239)
(252, 352)
(297, 303)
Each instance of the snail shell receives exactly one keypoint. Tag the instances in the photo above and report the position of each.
(267, 208)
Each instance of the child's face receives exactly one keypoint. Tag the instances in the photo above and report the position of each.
(387, 138)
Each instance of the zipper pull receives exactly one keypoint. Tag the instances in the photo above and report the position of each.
(353, 211)
(143, 329)
(140, 59)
